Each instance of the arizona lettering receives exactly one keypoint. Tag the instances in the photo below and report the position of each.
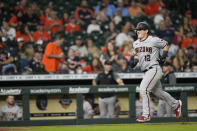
(143, 49)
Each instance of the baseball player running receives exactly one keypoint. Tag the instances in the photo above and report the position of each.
(146, 51)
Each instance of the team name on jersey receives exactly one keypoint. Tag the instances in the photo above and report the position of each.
(143, 49)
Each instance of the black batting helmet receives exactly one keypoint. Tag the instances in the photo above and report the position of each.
(142, 26)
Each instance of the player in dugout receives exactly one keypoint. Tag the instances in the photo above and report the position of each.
(10, 111)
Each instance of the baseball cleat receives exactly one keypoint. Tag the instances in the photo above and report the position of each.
(143, 119)
(178, 109)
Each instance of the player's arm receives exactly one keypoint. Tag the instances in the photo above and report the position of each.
(117, 78)
(94, 82)
(133, 62)
(61, 55)
(120, 81)
(162, 58)
(165, 51)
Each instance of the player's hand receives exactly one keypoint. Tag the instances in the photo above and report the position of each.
(61, 55)
(161, 61)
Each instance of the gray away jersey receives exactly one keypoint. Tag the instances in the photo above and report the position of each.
(148, 51)
(9, 114)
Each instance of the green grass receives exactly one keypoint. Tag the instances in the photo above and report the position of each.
(115, 127)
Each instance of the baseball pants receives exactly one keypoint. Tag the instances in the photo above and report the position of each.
(151, 83)
(164, 108)
(107, 107)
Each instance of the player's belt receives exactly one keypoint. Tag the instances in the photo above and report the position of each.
(149, 68)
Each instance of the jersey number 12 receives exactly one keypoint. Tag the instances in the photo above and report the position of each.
(147, 57)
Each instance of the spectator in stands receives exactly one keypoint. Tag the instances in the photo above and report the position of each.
(124, 34)
(39, 46)
(120, 7)
(125, 68)
(191, 55)
(7, 32)
(194, 63)
(126, 3)
(152, 7)
(82, 61)
(94, 67)
(93, 26)
(66, 18)
(158, 18)
(41, 35)
(172, 50)
(165, 32)
(32, 19)
(186, 26)
(168, 22)
(117, 17)
(190, 52)
(18, 19)
(72, 61)
(134, 9)
(63, 69)
(113, 56)
(24, 34)
(111, 9)
(53, 54)
(127, 50)
(93, 51)
(10, 111)
(26, 60)
(7, 66)
(36, 63)
(22, 6)
(3, 11)
(100, 15)
(111, 33)
(79, 69)
(35, 9)
(189, 40)
(20, 47)
(139, 109)
(107, 101)
(79, 46)
(180, 60)
(53, 24)
(44, 15)
(168, 78)
(72, 26)
(83, 14)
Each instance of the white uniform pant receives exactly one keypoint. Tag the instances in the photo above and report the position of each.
(151, 83)
(107, 107)
(164, 108)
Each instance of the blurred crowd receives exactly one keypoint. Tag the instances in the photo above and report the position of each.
(93, 31)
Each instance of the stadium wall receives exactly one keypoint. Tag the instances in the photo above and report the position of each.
(76, 95)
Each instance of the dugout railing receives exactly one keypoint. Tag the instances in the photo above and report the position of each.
(26, 91)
